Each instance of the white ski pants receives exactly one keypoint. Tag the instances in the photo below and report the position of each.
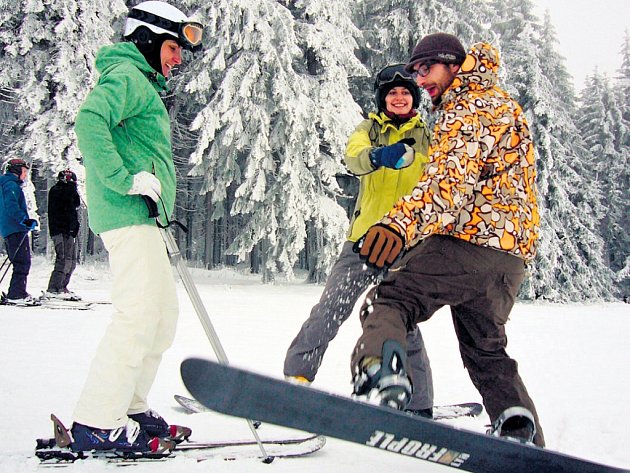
(142, 328)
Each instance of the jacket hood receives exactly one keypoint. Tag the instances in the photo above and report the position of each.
(113, 55)
(478, 72)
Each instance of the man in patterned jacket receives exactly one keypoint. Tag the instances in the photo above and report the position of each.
(469, 226)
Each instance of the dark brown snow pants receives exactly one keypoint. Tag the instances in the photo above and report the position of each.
(480, 285)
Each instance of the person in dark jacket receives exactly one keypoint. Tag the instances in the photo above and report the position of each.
(14, 227)
(63, 225)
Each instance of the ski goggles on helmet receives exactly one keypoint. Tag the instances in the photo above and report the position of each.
(391, 74)
(189, 33)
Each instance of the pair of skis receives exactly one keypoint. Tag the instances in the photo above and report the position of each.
(44, 303)
(58, 451)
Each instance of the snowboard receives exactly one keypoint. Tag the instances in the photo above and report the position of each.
(448, 411)
(242, 393)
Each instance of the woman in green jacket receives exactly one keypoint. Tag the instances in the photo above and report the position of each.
(123, 133)
(388, 152)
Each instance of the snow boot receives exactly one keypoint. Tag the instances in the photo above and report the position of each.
(515, 423)
(155, 425)
(384, 379)
(129, 438)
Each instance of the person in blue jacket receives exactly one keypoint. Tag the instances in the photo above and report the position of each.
(15, 224)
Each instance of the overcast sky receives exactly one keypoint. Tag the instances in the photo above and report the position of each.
(590, 34)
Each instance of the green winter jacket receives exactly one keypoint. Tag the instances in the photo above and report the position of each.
(381, 188)
(123, 128)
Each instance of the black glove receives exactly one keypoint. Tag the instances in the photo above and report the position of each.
(30, 224)
(151, 206)
(380, 246)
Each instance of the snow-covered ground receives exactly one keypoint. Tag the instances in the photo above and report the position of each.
(574, 360)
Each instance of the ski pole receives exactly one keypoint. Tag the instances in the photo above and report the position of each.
(191, 289)
(178, 260)
(6, 260)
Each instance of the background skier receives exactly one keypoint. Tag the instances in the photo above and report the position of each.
(15, 224)
(63, 226)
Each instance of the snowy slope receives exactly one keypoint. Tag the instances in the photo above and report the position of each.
(573, 358)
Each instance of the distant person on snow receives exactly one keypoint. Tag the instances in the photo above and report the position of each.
(63, 226)
(15, 225)
(469, 226)
(388, 152)
(123, 133)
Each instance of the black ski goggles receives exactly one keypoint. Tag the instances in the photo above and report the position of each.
(391, 74)
(189, 33)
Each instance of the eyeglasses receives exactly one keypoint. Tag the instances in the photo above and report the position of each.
(423, 70)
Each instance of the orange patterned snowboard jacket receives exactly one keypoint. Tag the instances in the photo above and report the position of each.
(479, 184)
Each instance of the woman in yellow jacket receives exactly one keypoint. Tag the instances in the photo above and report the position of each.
(388, 152)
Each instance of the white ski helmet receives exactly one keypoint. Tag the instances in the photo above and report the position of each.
(162, 19)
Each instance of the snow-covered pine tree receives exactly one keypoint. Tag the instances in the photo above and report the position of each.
(267, 133)
(621, 88)
(601, 123)
(622, 82)
(392, 29)
(326, 36)
(51, 50)
(570, 262)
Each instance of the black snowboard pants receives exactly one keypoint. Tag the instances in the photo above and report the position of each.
(480, 285)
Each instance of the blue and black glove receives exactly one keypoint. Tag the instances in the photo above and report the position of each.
(30, 224)
(396, 156)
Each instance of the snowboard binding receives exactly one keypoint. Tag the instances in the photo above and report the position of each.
(384, 380)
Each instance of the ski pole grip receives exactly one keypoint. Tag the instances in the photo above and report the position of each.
(152, 206)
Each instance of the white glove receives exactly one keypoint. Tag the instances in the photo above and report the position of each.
(145, 183)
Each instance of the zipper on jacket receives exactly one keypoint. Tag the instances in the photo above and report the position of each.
(124, 127)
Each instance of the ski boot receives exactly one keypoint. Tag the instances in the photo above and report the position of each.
(130, 439)
(26, 301)
(153, 423)
(515, 423)
(384, 380)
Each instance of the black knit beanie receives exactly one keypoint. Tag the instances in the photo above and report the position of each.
(439, 47)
